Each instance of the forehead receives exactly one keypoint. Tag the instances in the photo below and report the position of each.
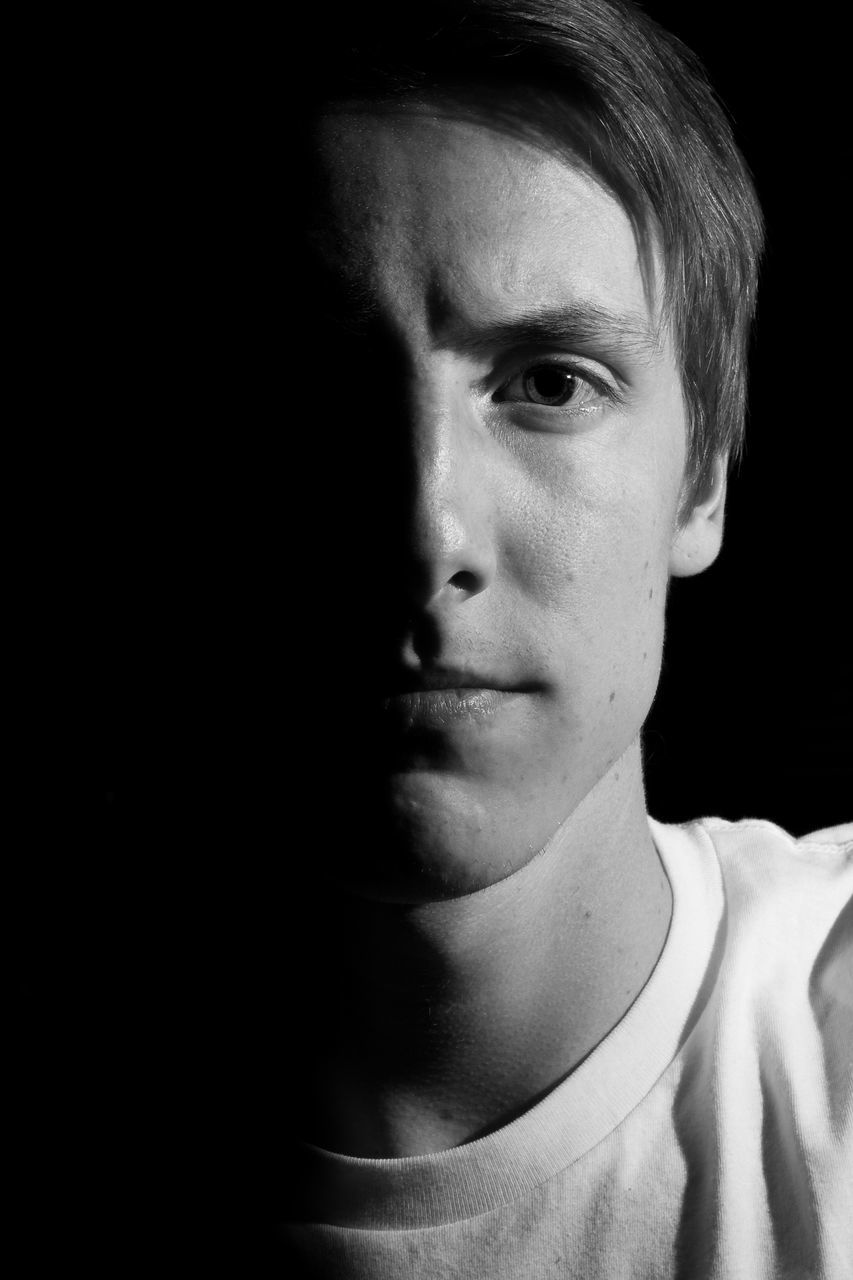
(468, 219)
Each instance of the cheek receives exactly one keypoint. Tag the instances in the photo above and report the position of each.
(592, 558)
(630, 577)
(627, 597)
(590, 537)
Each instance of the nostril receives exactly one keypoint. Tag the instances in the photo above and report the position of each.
(465, 581)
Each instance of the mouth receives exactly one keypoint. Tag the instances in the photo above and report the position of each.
(445, 697)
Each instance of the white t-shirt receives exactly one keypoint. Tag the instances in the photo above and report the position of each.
(710, 1134)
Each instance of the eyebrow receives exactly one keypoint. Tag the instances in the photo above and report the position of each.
(582, 325)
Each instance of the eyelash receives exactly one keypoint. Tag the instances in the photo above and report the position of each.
(601, 388)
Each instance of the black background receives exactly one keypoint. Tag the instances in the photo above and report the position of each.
(754, 709)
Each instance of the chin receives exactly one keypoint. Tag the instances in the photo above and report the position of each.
(441, 838)
(431, 833)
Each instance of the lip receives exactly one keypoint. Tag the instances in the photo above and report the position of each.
(441, 708)
(442, 698)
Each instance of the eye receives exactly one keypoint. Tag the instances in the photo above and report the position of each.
(552, 385)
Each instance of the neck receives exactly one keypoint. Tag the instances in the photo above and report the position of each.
(444, 1020)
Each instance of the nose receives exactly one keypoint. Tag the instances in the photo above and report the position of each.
(451, 534)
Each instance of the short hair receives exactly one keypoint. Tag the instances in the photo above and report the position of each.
(625, 100)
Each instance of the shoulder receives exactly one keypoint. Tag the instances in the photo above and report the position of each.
(765, 1073)
(780, 896)
(788, 951)
(764, 867)
(786, 897)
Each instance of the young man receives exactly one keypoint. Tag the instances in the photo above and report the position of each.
(551, 1036)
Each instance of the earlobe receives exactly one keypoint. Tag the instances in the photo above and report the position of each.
(699, 536)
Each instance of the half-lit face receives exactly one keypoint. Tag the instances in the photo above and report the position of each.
(523, 405)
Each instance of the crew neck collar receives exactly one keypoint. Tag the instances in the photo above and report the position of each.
(577, 1114)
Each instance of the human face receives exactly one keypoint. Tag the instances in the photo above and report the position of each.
(514, 432)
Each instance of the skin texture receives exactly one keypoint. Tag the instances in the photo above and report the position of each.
(541, 539)
(506, 903)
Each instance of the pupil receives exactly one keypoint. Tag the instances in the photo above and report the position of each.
(550, 384)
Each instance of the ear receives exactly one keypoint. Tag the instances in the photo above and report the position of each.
(699, 535)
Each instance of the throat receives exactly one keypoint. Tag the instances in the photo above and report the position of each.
(455, 1018)
(472, 1074)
